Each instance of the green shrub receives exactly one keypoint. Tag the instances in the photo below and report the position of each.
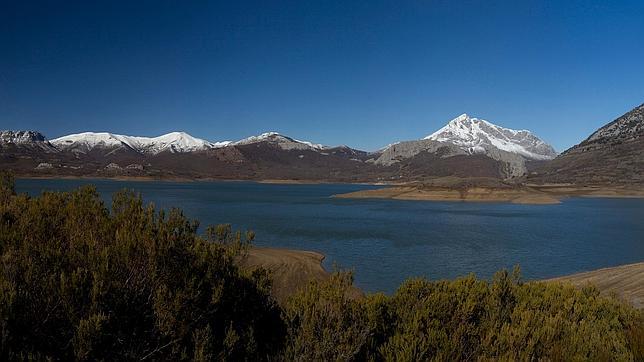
(79, 281)
(325, 323)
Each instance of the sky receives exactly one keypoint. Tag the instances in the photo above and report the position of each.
(360, 73)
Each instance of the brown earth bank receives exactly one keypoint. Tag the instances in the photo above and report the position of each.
(625, 281)
(576, 190)
(294, 269)
(494, 190)
(481, 194)
(460, 189)
(290, 269)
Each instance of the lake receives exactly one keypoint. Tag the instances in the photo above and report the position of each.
(387, 241)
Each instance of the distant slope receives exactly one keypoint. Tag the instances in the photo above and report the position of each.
(613, 155)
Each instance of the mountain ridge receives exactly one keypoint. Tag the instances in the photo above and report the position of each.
(274, 155)
(197, 144)
(173, 142)
(613, 154)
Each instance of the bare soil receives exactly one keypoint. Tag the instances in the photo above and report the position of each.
(626, 281)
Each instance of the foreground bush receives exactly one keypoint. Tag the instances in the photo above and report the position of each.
(464, 319)
(79, 281)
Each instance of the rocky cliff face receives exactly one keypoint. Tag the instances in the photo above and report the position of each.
(20, 137)
(25, 141)
(625, 129)
(408, 149)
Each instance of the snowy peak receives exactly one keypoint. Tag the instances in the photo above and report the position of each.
(87, 141)
(478, 136)
(264, 137)
(176, 142)
(284, 142)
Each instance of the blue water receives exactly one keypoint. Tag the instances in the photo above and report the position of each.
(387, 241)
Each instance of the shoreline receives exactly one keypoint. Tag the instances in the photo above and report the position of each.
(476, 194)
(625, 281)
(526, 195)
(189, 180)
(293, 269)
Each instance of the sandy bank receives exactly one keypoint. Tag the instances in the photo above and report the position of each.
(288, 182)
(290, 269)
(607, 191)
(480, 194)
(454, 189)
(626, 281)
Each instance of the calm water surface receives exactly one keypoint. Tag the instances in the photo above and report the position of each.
(387, 241)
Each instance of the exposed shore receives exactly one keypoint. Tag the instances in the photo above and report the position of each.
(290, 269)
(626, 281)
(518, 194)
(598, 191)
(479, 194)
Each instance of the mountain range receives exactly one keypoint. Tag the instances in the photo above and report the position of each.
(464, 147)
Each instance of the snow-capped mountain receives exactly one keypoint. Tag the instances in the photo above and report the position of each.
(178, 142)
(475, 135)
(175, 142)
(281, 141)
(465, 136)
(25, 139)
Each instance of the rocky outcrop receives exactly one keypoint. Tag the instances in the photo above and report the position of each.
(613, 155)
(25, 140)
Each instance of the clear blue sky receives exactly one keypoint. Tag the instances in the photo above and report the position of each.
(362, 73)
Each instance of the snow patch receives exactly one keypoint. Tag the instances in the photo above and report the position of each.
(176, 142)
(282, 141)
